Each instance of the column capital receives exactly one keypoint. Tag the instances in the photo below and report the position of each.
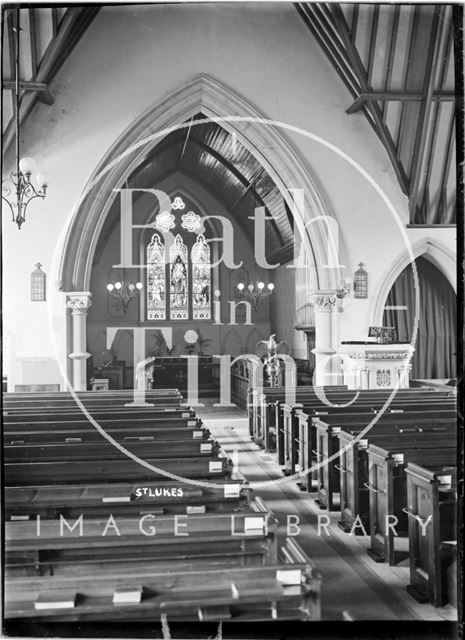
(323, 300)
(79, 302)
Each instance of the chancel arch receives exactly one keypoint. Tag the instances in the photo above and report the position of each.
(216, 102)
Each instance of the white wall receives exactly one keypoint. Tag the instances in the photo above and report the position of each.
(129, 59)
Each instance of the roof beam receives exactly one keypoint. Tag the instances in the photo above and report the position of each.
(374, 33)
(371, 107)
(242, 179)
(41, 88)
(333, 51)
(390, 58)
(72, 26)
(400, 96)
(431, 65)
(33, 41)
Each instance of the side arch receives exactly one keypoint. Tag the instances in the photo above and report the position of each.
(440, 256)
(218, 103)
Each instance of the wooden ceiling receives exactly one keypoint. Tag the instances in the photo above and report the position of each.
(208, 154)
(397, 62)
(47, 37)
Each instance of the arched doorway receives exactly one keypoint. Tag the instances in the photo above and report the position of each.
(436, 344)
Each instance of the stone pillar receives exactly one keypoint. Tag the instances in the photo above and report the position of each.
(324, 303)
(79, 302)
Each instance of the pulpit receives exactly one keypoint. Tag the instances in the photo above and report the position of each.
(371, 365)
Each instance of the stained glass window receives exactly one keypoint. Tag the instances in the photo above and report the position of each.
(156, 279)
(201, 280)
(178, 281)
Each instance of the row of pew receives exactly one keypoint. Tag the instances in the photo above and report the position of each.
(386, 461)
(131, 512)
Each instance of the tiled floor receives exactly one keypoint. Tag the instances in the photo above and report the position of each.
(354, 586)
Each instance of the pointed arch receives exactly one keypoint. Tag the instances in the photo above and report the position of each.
(440, 256)
(232, 343)
(254, 336)
(218, 103)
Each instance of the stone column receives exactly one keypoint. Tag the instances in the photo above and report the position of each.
(324, 303)
(79, 302)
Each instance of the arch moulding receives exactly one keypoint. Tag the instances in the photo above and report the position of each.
(218, 103)
(440, 256)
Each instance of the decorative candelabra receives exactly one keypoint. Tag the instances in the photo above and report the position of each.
(122, 293)
(269, 350)
(254, 293)
(17, 189)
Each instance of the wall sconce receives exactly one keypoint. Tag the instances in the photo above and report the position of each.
(38, 284)
(343, 290)
(361, 282)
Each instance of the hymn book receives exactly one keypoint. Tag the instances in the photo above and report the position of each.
(128, 595)
(55, 600)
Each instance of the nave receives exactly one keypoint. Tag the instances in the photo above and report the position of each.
(232, 566)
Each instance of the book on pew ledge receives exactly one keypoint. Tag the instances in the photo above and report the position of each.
(232, 490)
(192, 509)
(55, 600)
(254, 523)
(128, 595)
(289, 577)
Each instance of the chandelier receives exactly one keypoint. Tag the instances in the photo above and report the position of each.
(122, 293)
(17, 189)
(255, 293)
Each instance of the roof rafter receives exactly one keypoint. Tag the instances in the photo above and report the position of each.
(371, 107)
(72, 26)
(425, 108)
(399, 96)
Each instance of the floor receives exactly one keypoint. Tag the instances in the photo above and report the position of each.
(354, 587)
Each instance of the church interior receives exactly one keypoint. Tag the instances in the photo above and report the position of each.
(230, 319)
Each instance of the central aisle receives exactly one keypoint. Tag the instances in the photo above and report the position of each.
(353, 586)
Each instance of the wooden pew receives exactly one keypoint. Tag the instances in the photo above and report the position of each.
(165, 496)
(114, 395)
(269, 592)
(328, 477)
(388, 490)
(111, 397)
(264, 404)
(106, 413)
(353, 465)
(431, 494)
(59, 547)
(67, 433)
(103, 450)
(79, 421)
(39, 473)
(288, 421)
(300, 439)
